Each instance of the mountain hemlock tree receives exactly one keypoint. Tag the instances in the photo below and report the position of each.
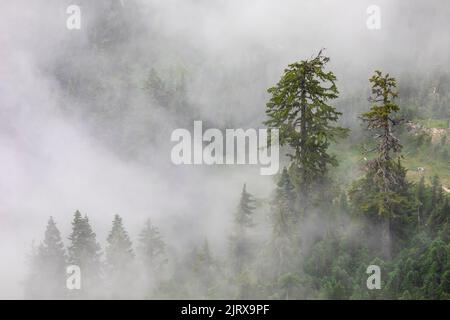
(84, 251)
(152, 247)
(284, 238)
(53, 257)
(387, 173)
(119, 250)
(48, 278)
(120, 270)
(242, 246)
(436, 192)
(299, 107)
(289, 282)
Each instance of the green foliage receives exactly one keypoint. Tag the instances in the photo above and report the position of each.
(167, 88)
(152, 247)
(241, 245)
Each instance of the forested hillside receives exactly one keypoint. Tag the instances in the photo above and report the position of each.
(87, 117)
(321, 229)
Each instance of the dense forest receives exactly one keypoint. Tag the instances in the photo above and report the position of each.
(86, 117)
(319, 237)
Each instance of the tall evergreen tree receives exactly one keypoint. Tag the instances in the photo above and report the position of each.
(439, 217)
(85, 252)
(421, 202)
(240, 243)
(387, 174)
(284, 237)
(119, 251)
(205, 268)
(299, 107)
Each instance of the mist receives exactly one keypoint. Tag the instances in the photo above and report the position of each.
(79, 129)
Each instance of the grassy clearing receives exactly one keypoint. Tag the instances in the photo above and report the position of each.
(433, 123)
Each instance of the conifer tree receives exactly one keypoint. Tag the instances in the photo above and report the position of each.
(119, 251)
(240, 243)
(299, 107)
(284, 237)
(53, 258)
(85, 252)
(244, 214)
(152, 247)
(204, 271)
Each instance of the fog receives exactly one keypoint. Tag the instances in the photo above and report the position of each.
(78, 130)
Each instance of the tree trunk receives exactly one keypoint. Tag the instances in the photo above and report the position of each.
(304, 135)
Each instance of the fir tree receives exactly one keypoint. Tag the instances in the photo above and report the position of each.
(436, 192)
(241, 252)
(387, 174)
(343, 204)
(48, 280)
(299, 107)
(53, 256)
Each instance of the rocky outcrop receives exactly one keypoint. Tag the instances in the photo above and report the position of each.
(436, 134)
